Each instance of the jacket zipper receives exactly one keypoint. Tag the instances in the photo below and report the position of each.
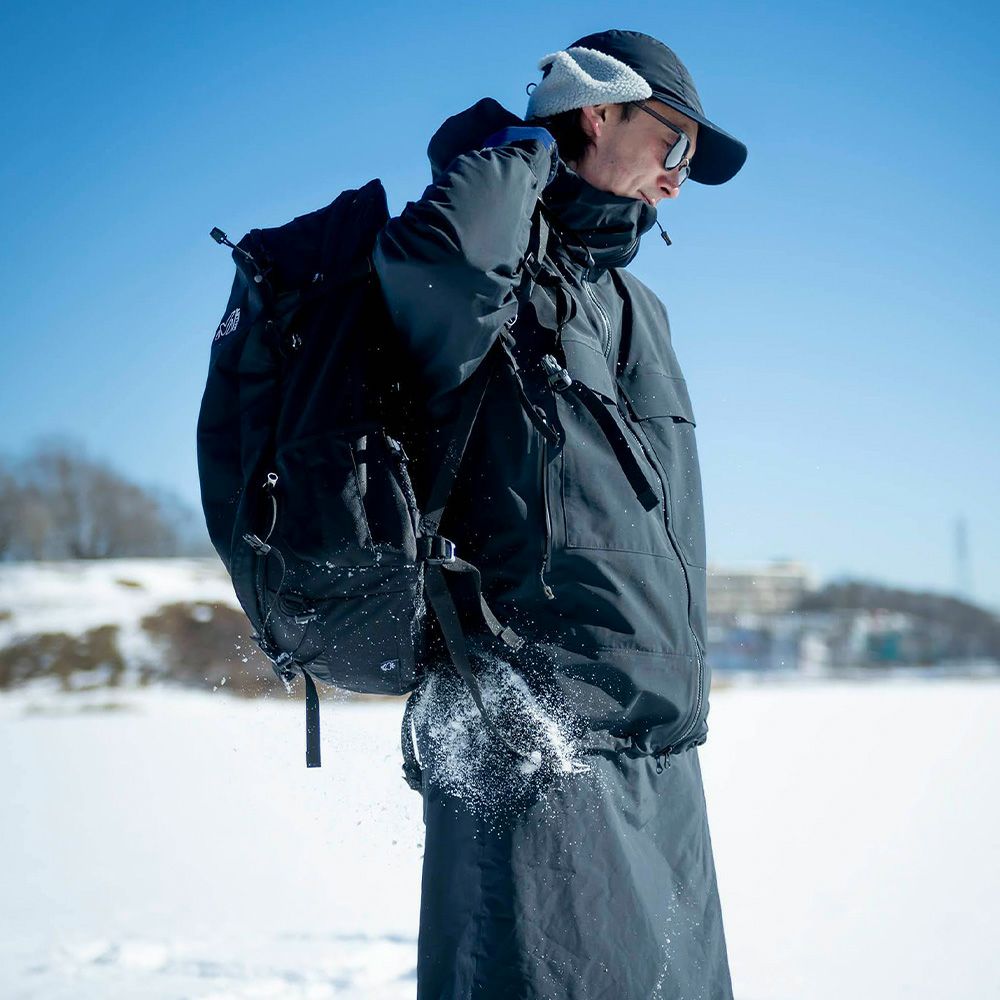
(687, 586)
(547, 541)
(605, 321)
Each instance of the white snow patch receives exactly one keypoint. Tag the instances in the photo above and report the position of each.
(467, 759)
(74, 597)
(181, 848)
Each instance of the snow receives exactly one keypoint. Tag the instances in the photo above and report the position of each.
(73, 597)
(177, 846)
(468, 760)
(161, 843)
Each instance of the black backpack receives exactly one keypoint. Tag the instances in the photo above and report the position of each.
(305, 480)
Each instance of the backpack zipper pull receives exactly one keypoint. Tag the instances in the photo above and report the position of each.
(223, 240)
(269, 484)
(261, 548)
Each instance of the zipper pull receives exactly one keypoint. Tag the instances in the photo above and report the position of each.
(223, 240)
(261, 548)
(663, 234)
(269, 484)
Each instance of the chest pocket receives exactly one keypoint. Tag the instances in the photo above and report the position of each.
(662, 407)
(599, 505)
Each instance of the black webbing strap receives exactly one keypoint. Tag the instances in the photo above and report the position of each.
(619, 444)
(443, 604)
(473, 394)
(538, 242)
(471, 579)
(436, 588)
(472, 399)
(312, 721)
(534, 412)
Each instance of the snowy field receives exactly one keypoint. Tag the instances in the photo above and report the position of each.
(160, 844)
(175, 846)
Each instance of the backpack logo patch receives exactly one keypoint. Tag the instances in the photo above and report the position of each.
(227, 326)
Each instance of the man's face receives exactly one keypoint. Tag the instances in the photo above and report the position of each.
(625, 156)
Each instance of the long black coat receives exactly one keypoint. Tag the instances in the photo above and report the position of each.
(600, 884)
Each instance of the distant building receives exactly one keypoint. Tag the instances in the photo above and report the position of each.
(756, 622)
(756, 590)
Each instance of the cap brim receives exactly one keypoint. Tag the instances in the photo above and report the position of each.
(718, 156)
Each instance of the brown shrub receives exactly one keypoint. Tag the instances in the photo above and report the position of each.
(209, 645)
(56, 654)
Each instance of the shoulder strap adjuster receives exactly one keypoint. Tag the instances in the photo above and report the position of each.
(557, 376)
(435, 549)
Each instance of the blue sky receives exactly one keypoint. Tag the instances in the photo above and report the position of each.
(834, 307)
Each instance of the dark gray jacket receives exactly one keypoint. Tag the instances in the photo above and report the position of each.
(611, 593)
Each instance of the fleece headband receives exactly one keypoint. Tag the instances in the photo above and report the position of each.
(580, 77)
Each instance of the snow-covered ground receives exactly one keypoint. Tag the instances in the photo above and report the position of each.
(176, 845)
(74, 597)
(167, 844)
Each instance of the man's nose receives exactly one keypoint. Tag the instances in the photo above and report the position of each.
(670, 184)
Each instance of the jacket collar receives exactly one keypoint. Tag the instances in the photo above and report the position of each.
(608, 225)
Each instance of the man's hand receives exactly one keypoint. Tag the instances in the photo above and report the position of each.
(521, 133)
(527, 133)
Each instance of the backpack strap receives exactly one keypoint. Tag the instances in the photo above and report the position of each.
(538, 244)
(439, 552)
(312, 721)
(439, 558)
(472, 400)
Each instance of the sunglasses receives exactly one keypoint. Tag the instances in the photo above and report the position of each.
(677, 154)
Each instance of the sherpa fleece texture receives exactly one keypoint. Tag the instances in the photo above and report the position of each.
(579, 77)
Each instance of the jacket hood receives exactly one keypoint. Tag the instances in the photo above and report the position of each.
(608, 225)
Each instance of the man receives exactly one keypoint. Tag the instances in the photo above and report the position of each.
(579, 500)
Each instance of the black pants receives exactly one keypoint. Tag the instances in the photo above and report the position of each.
(599, 885)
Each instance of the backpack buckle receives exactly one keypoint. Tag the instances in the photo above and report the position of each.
(559, 379)
(436, 549)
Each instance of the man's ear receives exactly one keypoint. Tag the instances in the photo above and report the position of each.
(593, 119)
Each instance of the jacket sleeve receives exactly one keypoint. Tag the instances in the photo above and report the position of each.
(448, 264)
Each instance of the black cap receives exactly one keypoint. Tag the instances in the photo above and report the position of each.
(718, 156)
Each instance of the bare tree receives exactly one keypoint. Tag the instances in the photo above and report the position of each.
(10, 508)
(72, 506)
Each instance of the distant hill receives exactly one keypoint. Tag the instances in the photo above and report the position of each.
(971, 630)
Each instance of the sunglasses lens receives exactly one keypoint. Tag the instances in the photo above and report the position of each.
(677, 152)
